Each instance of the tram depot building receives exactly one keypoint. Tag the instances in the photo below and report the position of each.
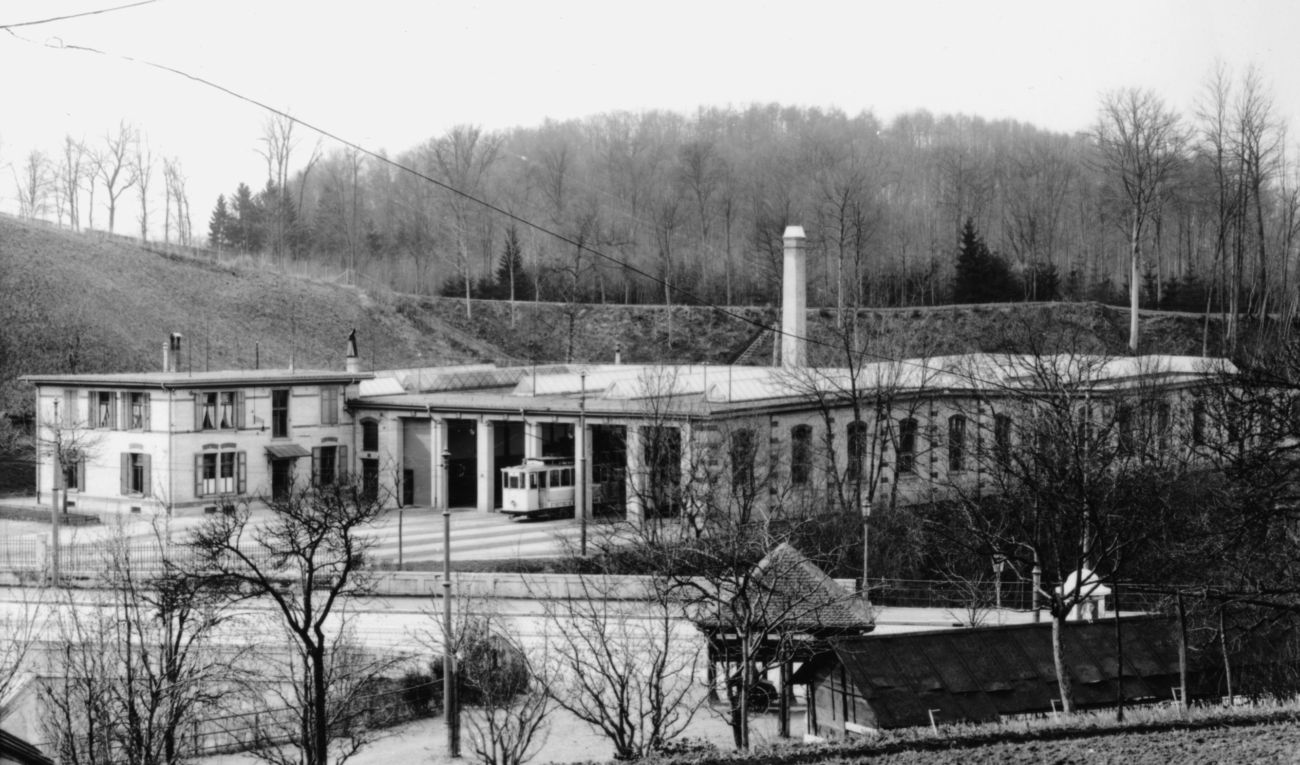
(185, 443)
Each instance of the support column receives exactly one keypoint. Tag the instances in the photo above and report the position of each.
(636, 478)
(532, 439)
(487, 481)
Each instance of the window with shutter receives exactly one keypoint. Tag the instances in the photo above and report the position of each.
(198, 475)
(342, 472)
(126, 474)
(315, 465)
(241, 405)
(146, 474)
(243, 472)
(329, 405)
(69, 409)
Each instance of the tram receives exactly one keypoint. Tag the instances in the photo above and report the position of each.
(540, 487)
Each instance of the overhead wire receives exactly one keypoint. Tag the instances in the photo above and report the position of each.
(77, 15)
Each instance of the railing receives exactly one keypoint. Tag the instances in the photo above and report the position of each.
(144, 556)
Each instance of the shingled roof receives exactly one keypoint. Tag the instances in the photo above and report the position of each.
(981, 675)
(791, 594)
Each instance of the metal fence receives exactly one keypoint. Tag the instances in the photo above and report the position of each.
(143, 556)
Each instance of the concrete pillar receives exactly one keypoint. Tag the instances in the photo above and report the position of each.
(636, 478)
(532, 439)
(794, 300)
(487, 481)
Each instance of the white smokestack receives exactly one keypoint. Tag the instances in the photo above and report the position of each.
(794, 301)
(167, 355)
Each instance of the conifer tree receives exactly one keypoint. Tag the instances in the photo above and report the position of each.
(981, 276)
(219, 224)
(513, 285)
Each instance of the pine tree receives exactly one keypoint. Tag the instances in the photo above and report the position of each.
(981, 276)
(248, 231)
(219, 224)
(511, 277)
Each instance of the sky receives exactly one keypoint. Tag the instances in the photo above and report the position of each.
(389, 75)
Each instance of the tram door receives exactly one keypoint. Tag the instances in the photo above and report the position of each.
(508, 451)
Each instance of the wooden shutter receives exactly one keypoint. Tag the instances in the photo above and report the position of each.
(341, 472)
(315, 465)
(325, 404)
(145, 404)
(126, 474)
(198, 475)
(241, 470)
(69, 408)
(198, 411)
(241, 402)
(146, 482)
(90, 410)
(81, 474)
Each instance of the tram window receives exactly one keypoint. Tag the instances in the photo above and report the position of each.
(555, 478)
(512, 481)
(566, 477)
(532, 480)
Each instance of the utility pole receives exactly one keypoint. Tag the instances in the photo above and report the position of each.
(584, 488)
(449, 701)
(60, 497)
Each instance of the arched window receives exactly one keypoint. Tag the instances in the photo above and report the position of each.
(857, 434)
(800, 454)
(956, 443)
(907, 445)
(369, 435)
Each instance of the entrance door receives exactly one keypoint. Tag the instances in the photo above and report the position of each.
(508, 452)
(281, 478)
(370, 477)
(462, 467)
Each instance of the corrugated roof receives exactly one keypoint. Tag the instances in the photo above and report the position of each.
(286, 451)
(979, 675)
(790, 592)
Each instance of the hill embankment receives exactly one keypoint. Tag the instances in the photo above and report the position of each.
(73, 302)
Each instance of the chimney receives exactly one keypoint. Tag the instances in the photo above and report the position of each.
(618, 353)
(794, 301)
(353, 363)
(172, 353)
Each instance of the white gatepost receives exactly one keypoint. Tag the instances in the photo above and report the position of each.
(437, 443)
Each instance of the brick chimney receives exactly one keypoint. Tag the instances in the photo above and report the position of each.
(794, 301)
(172, 353)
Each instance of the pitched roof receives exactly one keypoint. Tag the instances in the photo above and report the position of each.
(792, 594)
(980, 675)
(17, 750)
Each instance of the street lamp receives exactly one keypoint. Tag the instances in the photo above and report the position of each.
(866, 548)
(448, 660)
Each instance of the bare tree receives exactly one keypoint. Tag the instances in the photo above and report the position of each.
(618, 664)
(33, 184)
(137, 665)
(463, 158)
(1140, 148)
(115, 166)
(178, 202)
(278, 145)
(319, 556)
(72, 170)
(143, 161)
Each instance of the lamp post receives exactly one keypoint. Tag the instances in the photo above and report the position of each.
(866, 547)
(448, 659)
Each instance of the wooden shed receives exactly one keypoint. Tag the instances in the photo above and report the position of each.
(983, 674)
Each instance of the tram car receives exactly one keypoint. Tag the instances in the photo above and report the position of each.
(540, 487)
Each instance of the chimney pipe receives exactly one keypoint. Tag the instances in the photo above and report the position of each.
(167, 356)
(172, 358)
(618, 353)
(794, 301)
(353, 363)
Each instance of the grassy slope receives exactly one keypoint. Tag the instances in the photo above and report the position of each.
(111, 305)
